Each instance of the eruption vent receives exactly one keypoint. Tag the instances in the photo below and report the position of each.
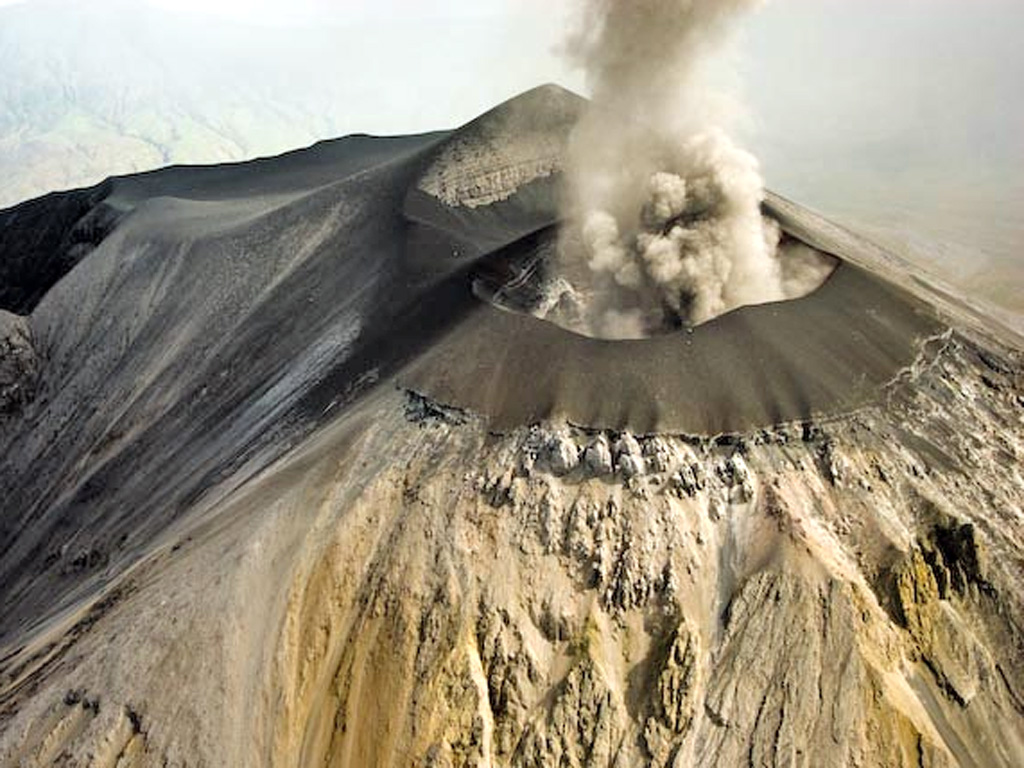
(666, 209)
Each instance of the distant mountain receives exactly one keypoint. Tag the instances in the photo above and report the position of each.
(88, 92)
(282, 484)
(111, 87)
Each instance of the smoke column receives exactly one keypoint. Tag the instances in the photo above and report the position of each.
(666, 206)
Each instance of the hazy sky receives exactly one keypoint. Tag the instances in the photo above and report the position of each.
(276, 11)
(903, 114)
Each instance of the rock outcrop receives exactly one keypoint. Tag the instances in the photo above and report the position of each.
(334, 509)
(18, 363)
(466, 599)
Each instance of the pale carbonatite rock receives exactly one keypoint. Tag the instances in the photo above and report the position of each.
(627, 445)
(832, 464)
(629, 458)
(659, 455)
(740, 478)
(679, 681)
(232, 537)
(687, 480)
(598, 456)
(631, 466)
(585, 726)
(562, 454)
(18, 363)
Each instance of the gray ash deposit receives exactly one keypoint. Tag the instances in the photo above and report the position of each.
(292, 473)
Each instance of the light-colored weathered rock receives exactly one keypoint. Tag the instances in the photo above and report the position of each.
(562, 453)
(18, 363)
(598, 456)
(233, 535)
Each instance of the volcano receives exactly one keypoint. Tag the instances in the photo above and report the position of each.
(292, 474)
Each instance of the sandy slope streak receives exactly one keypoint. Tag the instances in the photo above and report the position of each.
(275, 572)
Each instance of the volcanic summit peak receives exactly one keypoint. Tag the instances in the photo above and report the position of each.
(517, 142)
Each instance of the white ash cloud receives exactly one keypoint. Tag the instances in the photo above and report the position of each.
(803, 268)
(668, 207)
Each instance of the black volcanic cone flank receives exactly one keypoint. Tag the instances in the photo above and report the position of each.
(427, 215)
(183, 327)
(825, 354)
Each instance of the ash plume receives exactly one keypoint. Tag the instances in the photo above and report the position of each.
(668, 224)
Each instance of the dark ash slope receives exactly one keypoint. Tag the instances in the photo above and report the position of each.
(257, 429)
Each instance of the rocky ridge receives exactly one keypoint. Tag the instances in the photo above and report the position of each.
(18, 363)
(238, 531)
(840, 593)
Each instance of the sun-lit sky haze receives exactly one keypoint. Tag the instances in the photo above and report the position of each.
(903, 115)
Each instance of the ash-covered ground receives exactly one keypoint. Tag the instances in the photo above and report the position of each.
(281, 484)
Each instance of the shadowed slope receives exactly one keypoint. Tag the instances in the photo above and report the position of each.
(274, 491)
(313, 276)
